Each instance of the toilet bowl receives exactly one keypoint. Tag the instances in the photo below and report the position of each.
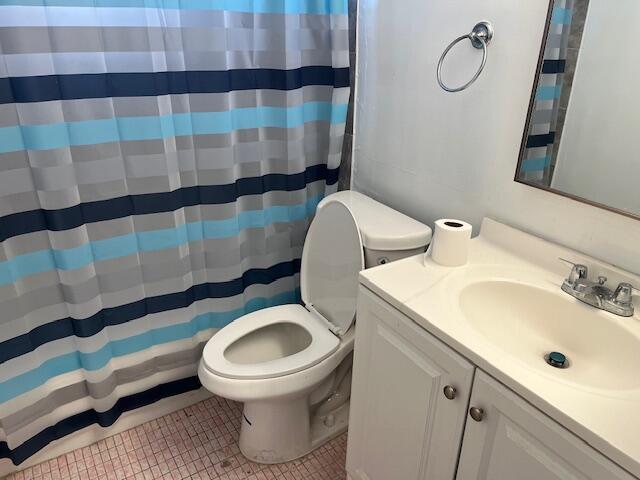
(291, 364)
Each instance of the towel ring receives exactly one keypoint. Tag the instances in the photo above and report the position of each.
(479, 37)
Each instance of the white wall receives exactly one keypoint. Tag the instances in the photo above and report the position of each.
(599, 158)
(431, 154)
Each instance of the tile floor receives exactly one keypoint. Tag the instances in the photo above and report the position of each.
(197, 443)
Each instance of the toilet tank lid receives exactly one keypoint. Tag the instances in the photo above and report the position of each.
(381, 227)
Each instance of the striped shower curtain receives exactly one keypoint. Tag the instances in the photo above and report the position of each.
(160, 161)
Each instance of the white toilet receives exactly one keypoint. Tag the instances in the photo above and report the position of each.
(291, 364)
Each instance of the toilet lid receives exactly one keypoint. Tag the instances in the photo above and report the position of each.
(332, 259)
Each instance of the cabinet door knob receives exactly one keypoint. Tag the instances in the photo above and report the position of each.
(476, 413)
(450, 392)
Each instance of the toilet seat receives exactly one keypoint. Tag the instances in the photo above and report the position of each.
(323, 343)
(299, 337)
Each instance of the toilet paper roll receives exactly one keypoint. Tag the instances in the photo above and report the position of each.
(450, 244)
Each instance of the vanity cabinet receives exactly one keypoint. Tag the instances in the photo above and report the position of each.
(404, 425)
(514, 440)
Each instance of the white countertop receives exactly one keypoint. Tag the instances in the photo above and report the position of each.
(608, 420)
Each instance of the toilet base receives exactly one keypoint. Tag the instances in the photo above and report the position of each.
(278, 432)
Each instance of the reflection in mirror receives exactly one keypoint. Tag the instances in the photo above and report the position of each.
(584, 113)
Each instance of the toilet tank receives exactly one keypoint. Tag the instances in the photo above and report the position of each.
(387, 234)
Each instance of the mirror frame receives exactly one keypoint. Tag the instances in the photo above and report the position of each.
(527, 126)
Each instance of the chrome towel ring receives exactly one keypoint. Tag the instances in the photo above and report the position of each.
(479, 37)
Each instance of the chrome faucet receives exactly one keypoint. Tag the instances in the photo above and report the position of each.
(597, 294)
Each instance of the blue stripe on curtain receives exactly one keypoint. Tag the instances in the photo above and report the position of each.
(149, 241)
(549, 92)
(561, 16)
(553, 66)
(89, 417)
(317, 7)
(90, 361)
(535, 164)
(126, 129)
(72, 217)
(101, 85)
(107, 317)
(542, 140)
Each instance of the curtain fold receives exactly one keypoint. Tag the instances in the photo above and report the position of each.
(160, 162)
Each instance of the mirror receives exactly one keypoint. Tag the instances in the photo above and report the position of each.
(584, 115)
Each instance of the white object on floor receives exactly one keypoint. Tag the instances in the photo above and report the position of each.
(291, 365)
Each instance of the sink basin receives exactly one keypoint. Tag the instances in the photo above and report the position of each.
(526, 322)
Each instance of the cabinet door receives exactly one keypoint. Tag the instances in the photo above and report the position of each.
(514, 440)
(402, 427)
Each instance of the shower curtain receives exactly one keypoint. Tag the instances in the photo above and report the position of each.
(538, 155)
(160, 161)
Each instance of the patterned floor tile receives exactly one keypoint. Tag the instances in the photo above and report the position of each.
(197, 443)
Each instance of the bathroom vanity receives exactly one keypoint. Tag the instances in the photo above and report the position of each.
(452, 380)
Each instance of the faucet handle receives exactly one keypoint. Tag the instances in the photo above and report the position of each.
(624, 294)
(578, 271)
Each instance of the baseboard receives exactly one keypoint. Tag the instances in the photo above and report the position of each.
(95, 433)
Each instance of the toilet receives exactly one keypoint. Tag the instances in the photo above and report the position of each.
(291, 364)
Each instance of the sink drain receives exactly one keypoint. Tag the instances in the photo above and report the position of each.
(557, 360)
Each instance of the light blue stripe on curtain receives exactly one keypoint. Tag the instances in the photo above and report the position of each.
(92, 361)
(549, 92)
(319, 7)
(110, 248)
(535, 164)
(91, 132)
(561, 16)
